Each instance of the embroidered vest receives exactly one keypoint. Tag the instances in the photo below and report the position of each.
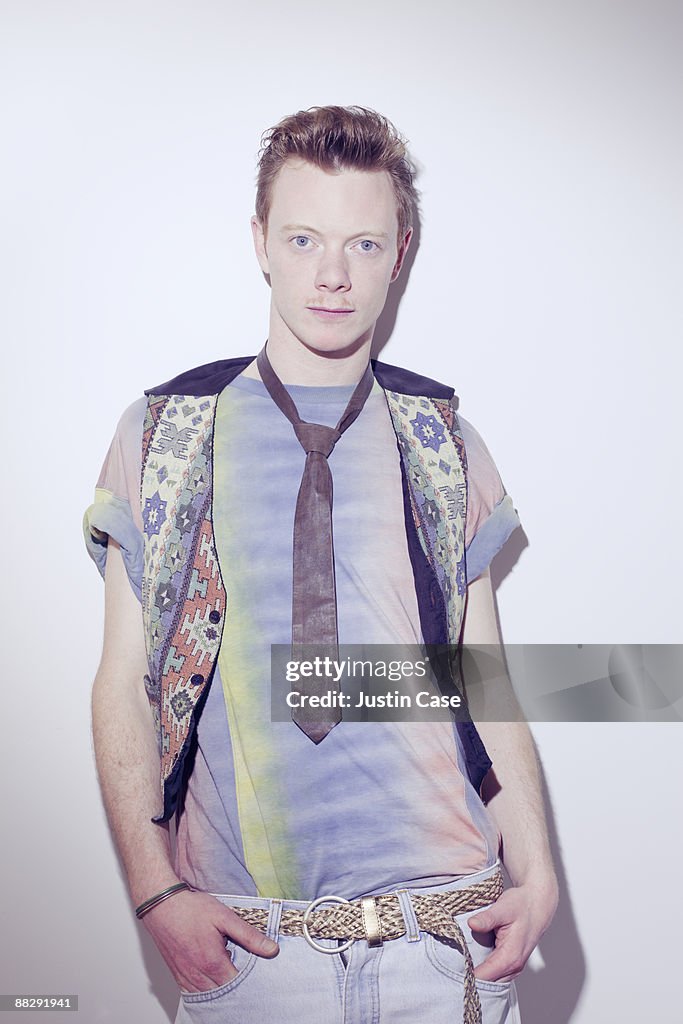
(184, 596)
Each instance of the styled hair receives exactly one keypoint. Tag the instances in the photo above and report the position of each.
(334, 139)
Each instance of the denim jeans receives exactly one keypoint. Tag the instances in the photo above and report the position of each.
(416, 978)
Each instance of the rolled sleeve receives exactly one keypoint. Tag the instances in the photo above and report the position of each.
(491, 516)
(111, 517)
(490, 537)
(116, 513)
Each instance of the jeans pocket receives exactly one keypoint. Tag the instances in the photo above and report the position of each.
(495, 996)
(242, 960)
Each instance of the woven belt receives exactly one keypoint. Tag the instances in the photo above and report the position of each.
(379, 919)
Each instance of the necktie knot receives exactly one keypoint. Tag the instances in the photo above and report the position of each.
(315, 437)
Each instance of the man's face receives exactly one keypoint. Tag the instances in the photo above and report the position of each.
(331, 251)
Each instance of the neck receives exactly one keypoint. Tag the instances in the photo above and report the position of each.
(294, 363)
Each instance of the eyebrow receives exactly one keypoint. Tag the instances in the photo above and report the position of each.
(304, 228)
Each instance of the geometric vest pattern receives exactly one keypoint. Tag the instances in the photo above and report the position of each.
(184, 597)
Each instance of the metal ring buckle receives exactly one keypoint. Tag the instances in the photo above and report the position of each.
(311, 941)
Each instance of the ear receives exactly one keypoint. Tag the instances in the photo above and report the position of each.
(260, 244)
(402, 250)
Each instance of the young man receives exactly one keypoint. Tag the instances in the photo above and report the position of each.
(237, 525)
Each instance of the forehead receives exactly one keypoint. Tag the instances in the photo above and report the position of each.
(346, 199)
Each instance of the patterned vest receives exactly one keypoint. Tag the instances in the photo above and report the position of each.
(184, 596)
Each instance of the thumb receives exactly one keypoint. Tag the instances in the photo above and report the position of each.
(484, 922)
(247, 936)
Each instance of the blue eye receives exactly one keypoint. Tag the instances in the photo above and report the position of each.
(301, 241)
(368, 246)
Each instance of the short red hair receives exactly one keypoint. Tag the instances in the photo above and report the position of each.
(337, 138)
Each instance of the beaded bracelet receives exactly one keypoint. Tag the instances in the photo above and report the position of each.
(159, 898)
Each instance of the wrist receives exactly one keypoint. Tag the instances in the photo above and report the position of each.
(544, 889)
(143, 890)
(160, 897)
(539, 876)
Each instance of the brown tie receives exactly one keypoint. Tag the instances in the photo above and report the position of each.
(314, 597)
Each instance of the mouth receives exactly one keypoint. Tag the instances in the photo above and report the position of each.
(329, 313)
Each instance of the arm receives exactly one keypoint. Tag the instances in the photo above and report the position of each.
(188, 928)
(512, 792)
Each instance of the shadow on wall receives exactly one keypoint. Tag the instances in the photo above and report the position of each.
(161, 982)
(551, 992)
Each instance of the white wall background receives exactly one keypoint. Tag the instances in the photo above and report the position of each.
(543, 288)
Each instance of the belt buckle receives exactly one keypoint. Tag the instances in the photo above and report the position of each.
(309, 938)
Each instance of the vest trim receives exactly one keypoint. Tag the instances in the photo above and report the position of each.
(211, 378)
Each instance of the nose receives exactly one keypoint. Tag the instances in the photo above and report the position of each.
(333, 273)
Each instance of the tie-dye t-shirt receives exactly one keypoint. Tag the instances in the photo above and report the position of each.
(376, 805)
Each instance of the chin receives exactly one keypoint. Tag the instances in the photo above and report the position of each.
(335, 346)
(335, 351)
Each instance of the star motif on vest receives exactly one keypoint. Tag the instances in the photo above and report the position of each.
(165, 597)
(428, 431)
(153, 514)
